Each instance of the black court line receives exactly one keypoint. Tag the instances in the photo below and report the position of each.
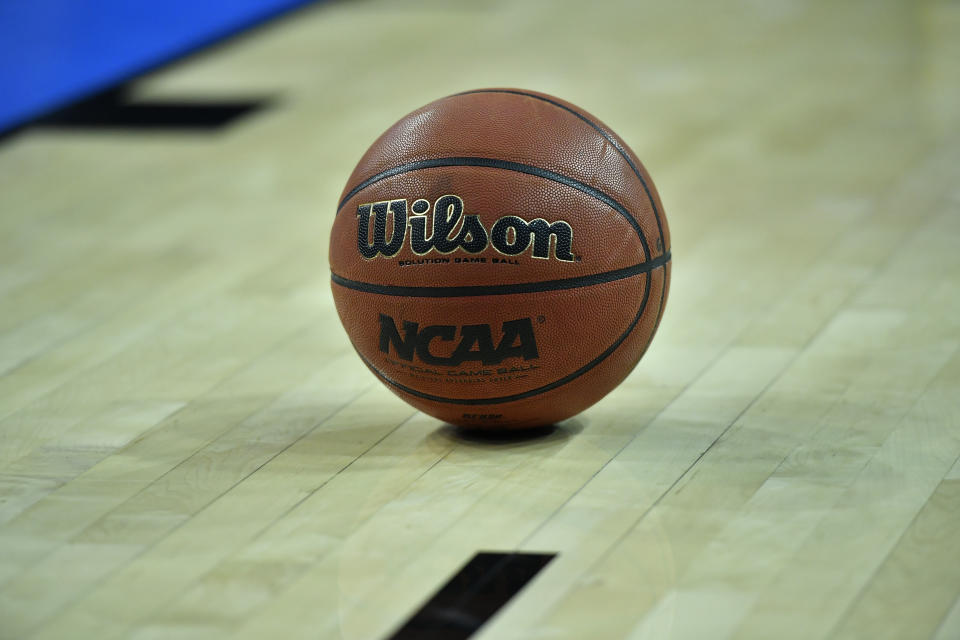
(114, 110)
(471, 597)
(503, 289)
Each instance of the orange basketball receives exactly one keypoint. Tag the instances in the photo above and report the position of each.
(500, 258)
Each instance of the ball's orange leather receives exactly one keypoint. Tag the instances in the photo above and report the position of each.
(524, 159)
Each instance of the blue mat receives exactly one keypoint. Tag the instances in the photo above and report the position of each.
(54, 52)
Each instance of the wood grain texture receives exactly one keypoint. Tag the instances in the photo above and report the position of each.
(190, 448)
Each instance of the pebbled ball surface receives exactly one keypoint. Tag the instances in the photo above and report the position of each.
(500, 258)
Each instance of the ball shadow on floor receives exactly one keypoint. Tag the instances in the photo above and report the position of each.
(499, 439)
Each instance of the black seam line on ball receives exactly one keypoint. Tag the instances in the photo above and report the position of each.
(533, 392)
(656, 325)
(663, 295)
(507, 165)
(599, 129)
(502, 289)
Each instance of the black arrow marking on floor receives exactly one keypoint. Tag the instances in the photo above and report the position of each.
(471, 597)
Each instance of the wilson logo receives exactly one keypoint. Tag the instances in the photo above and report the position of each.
(442, 344)
(448, 229)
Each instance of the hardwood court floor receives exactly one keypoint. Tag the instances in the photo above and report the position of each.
(191, 449)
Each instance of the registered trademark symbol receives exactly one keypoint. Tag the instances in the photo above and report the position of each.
(578, 258)
(541, 319)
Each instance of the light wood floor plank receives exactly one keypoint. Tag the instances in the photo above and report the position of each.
(914, 582)
(132, 527)
(117, 477)
(27, 444)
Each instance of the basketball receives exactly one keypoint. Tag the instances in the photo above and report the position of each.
(500, 258)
